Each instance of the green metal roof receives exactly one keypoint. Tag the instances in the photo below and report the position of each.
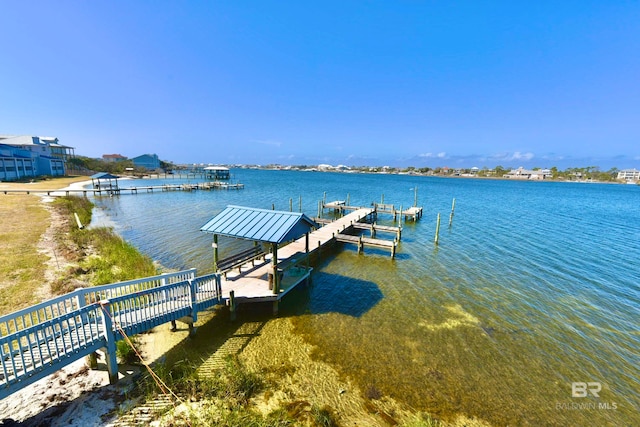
(259, 224)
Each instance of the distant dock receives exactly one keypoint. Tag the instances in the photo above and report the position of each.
(113, 191)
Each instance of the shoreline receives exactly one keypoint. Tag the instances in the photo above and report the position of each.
(78, 396)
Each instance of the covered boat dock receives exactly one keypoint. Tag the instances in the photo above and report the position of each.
(254, 275)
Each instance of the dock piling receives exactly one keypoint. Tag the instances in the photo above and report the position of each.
(437, 229)
(453, 207)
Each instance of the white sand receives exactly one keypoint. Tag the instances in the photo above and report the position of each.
(73, 396)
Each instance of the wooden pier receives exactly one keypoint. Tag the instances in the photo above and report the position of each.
(340, 207)
(250, 281)
(215, 185)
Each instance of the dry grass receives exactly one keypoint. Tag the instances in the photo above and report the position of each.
(43, 184)
(23, 220)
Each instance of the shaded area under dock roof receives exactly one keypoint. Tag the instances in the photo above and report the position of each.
(260, 225)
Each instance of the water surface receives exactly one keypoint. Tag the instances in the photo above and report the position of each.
(535, 286)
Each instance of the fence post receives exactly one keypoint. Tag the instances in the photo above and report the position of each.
(109, 334)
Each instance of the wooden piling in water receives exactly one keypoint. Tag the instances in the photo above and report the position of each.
(453, 207)
(437, 238)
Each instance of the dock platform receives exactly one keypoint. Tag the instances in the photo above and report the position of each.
(250, 282)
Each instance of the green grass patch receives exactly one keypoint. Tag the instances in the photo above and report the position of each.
(103, 257)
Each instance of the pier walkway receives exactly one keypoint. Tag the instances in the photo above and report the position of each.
(39, 340)
(216, 185)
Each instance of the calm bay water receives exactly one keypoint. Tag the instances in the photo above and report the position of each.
(535, 286)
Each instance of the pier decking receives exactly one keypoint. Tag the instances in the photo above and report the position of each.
(133, 190)
(251, 281)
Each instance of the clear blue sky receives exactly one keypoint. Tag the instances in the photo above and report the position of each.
(513, 83)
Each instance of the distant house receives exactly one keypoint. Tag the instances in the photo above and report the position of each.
(522, 173)
(147, 161)
(113, 158)
(31, 156)
(629, 175)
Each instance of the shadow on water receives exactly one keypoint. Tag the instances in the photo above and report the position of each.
(332, 293)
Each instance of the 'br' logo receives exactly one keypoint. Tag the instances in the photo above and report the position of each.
(584, 389)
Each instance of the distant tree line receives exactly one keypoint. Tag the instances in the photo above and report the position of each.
(571, 174)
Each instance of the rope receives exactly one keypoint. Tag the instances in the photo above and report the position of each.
(164, 388)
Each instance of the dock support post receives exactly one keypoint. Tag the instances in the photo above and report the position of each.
(453, 207)
(437, 229)
(193, 288)
(348, 199)
(232, 306)
(274, 264)
(360, 244)
(400, 218)
(112, 360)
(393, 249)
(215, 252)
(415, 196)
(324, 198)
(275, 308)
(290, 204)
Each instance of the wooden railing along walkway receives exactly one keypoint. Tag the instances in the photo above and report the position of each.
(41, 339)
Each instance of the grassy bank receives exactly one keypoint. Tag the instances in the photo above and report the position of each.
(99, 255)
(81, 257)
